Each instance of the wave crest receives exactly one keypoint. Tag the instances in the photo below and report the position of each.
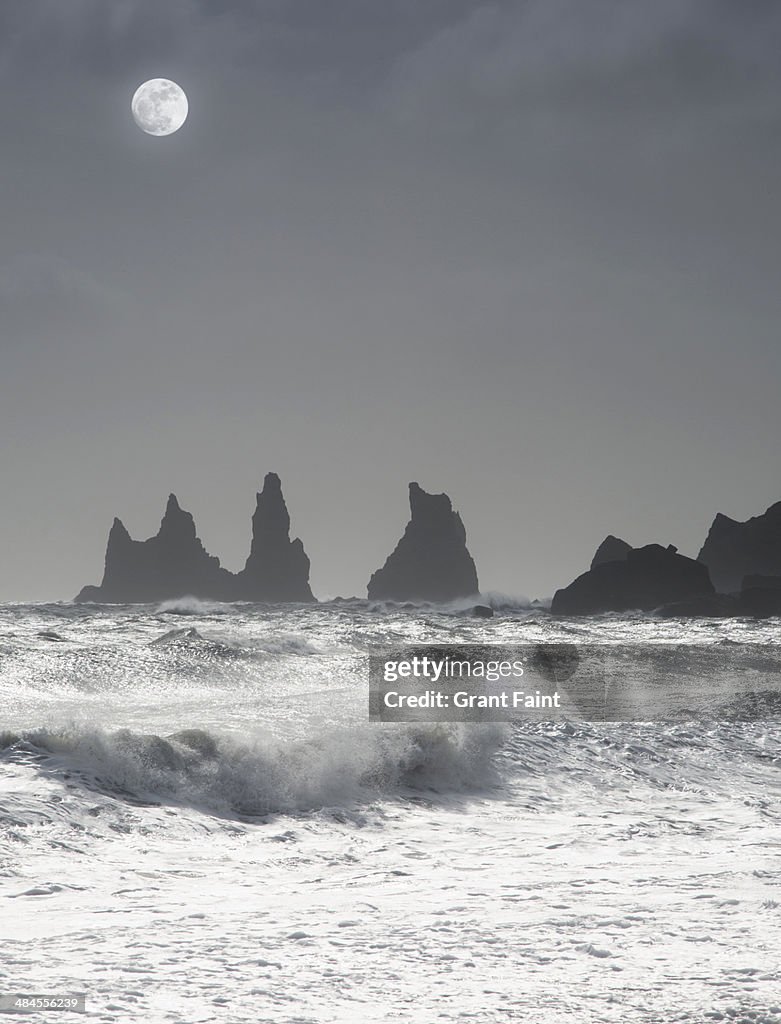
(255, 775)
(191, 606)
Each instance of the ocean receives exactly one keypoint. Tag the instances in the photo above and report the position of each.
(199, 823)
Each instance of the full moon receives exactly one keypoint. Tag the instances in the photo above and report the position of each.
(159, 107)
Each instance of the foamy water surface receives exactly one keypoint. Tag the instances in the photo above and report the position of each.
(198, 823)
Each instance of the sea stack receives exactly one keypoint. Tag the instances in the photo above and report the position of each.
(173, 563)
(647, 578)
(277, 568)
(431, 562)
(734, 550)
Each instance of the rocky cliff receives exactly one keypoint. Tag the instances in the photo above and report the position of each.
(647, 578)
(733, 549)
(431, 562)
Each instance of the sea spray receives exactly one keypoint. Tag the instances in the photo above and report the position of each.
(255, 774)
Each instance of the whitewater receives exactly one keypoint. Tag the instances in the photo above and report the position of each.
(198, 822)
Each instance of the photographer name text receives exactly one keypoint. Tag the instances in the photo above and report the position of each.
(436, 699)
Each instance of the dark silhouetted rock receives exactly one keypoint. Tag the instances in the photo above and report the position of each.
(760, 602)
(612, 549)
(177, 636)
(761, 582)
(277, 568)
(648, 577)
(482, 611)
(431, 561)
(733, 550)
(174, 563)
(760, 597)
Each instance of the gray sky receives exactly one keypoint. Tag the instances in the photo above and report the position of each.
(525, 252)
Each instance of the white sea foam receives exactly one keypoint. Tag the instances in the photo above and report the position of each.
(210, 828)
(255, 774)
(192, 606)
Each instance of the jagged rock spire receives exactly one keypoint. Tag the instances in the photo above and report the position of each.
(277, 568)
(431, 562)
(174, 563)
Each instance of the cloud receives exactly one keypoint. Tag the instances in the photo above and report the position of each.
(623, 51)
(113, 39)
(304, 38)
(438, 48)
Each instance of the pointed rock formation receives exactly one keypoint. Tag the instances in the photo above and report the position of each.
(733, 550)
(431, 561)
(174, 563)
(612, 549)
(277, 568)
(647, 578)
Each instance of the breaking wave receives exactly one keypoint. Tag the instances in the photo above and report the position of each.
(189, 641)
(192, 606)
(255, 775)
